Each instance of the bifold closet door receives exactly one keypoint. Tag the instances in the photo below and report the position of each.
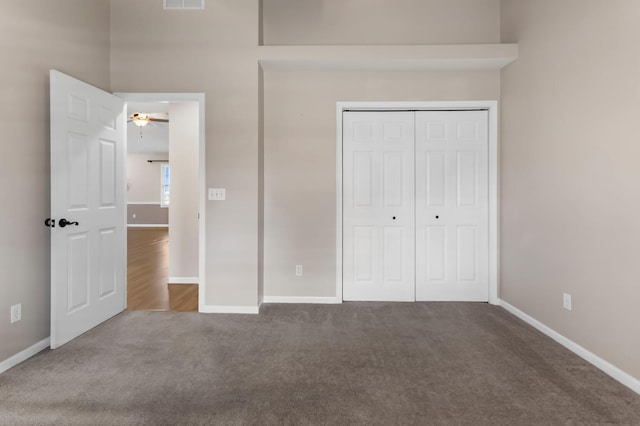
(452, 205)
(378, 207)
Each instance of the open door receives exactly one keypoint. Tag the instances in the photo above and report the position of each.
(88, 209)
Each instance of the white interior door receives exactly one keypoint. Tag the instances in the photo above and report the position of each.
(452, 206)
(88, 255)
(378, 208)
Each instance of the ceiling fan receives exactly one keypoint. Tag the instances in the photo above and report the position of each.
(141, 119)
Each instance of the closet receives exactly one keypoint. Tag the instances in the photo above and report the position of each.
(415, 205)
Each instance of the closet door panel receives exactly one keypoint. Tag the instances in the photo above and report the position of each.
(378, 206)
(452, 205)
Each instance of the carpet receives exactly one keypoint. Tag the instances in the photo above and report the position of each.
(349, 364)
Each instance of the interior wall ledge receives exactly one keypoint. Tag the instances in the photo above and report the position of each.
(389, 57)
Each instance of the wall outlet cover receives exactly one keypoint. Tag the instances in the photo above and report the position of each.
(566, 301)
(16, 313)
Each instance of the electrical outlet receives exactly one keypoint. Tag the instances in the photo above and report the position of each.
(566, 301)
(16, 313)
(298, 270)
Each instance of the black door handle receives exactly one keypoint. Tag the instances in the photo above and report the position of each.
(50, 223)
(64, 222)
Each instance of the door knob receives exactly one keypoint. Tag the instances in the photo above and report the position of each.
(64, 222)
(50, 223)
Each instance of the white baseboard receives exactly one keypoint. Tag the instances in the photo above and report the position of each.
(152, 225)
(183, 280)
(613, 371)
(225, 309)
(24, 355)
(285, 299)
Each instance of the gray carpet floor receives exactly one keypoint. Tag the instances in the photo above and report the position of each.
(356, 363)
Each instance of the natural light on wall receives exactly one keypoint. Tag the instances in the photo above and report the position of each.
(164, 185)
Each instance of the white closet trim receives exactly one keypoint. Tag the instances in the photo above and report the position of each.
(492, 108)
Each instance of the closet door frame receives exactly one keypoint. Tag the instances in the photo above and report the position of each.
(492, 108)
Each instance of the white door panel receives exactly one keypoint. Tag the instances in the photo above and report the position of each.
(88, 259)
(415, 207)
(452, 205)
(378, 213)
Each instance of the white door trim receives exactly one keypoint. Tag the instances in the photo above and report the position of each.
(188, 97)
(492, 108)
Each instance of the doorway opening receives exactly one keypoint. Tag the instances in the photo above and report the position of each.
(165, 202)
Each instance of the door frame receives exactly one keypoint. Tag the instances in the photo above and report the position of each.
(492, 108)
(200, 99)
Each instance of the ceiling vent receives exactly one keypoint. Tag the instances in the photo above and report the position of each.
(184, 4)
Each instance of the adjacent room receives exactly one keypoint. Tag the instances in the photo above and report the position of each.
(162, 237)
(376, 212)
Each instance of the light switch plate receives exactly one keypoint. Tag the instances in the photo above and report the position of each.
(217, 194)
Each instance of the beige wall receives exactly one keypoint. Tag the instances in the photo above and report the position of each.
(300, 161)
(335, 22)
(184, 143)
(570, 192)
(300, 108)
(143, 178)
(147, 214)
(214, 51)
(211, 51)
(73, 37)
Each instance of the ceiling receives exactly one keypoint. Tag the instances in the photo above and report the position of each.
(154, 137)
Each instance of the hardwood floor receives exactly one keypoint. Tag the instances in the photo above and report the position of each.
(148, 274)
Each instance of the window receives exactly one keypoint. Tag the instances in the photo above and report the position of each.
(164, 185)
